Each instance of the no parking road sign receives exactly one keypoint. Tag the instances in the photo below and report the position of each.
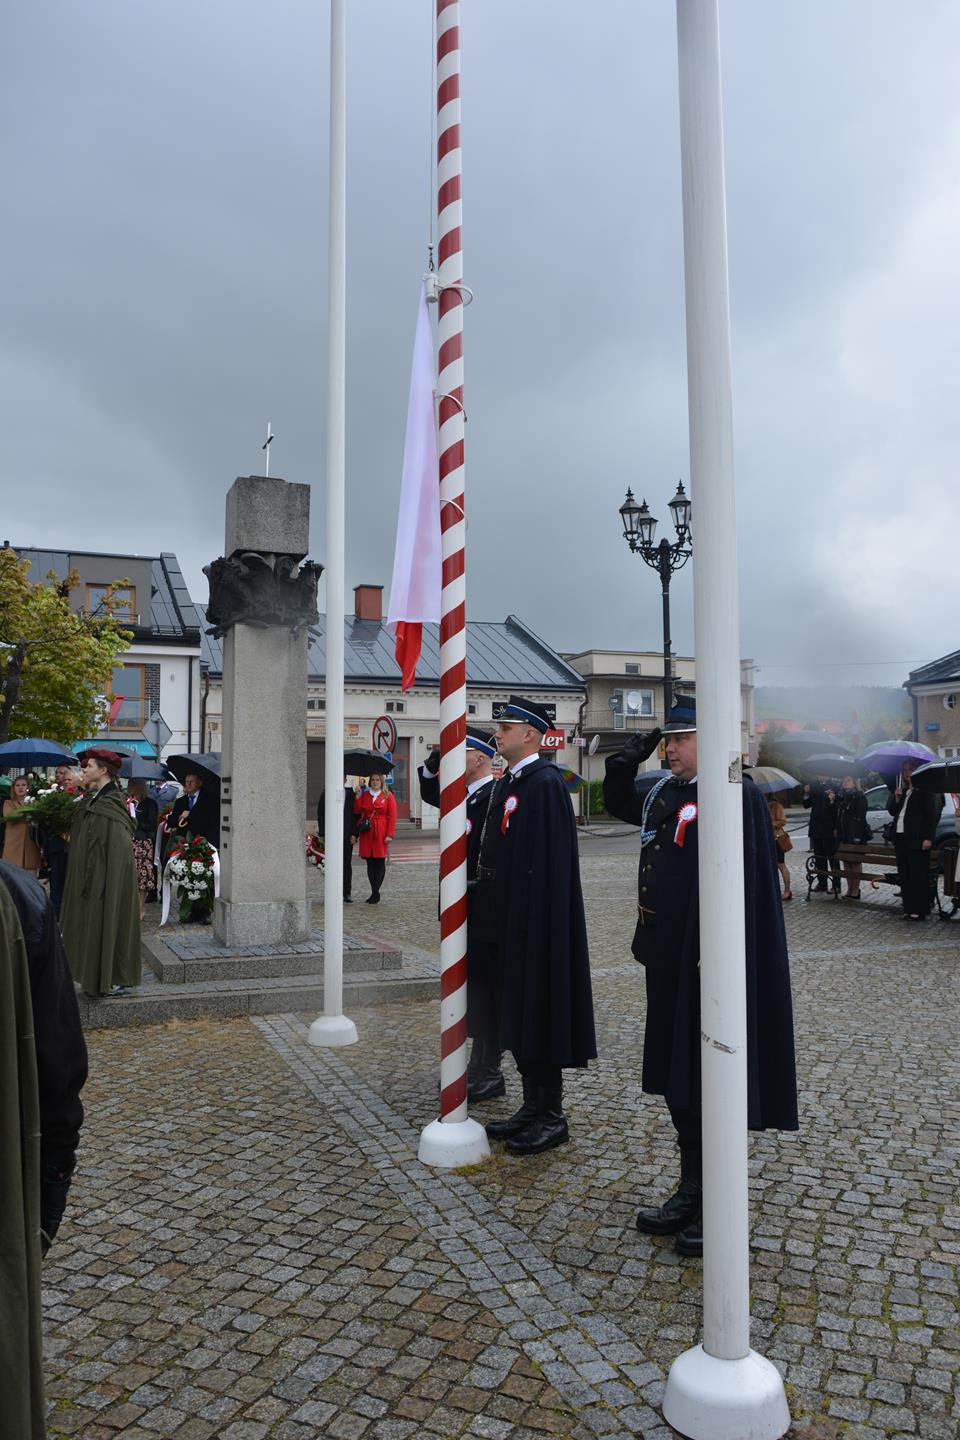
(384, 735)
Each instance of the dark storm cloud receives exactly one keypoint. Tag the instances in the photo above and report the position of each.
(165, 166)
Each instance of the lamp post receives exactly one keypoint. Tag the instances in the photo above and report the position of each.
(639, 528)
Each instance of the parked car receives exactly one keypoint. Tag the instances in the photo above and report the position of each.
(878, 815)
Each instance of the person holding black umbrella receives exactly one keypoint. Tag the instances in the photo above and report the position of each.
(197, 812)
(821, 801)
(916, 813)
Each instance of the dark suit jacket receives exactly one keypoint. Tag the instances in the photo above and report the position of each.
(204, 817)
(920, 821)
(349, 819)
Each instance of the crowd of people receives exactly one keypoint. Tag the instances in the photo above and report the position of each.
(104, 867)
(838, 816)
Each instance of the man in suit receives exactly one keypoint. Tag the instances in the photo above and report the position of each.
(197, 813)
(484, 1073)
(349, 835)
(198, 809)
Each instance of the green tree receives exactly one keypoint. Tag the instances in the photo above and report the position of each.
(54, 663)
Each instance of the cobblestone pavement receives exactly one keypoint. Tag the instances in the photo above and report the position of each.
(252, 1249)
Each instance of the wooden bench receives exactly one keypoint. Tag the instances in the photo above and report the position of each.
(872, 864)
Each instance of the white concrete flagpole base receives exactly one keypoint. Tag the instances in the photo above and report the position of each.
(332, 1030)
(448, 1144)
(711, 1399)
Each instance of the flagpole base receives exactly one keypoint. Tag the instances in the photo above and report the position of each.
(332, 1030)
(448, 1144)
(711, 1399)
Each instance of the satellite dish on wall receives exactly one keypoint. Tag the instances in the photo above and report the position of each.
(634, 701)
(594, 745)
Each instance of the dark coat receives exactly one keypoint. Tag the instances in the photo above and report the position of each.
(546, 1004)
(852, 827)
(21, 1337)
(476, 813)
(668, 946)
(203, 819)
(349, 819)
(60, 1047)
(823, 814)
(100, 915)
(148, 814)
(920, 821)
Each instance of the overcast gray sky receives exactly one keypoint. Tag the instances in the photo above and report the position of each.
(165, 167)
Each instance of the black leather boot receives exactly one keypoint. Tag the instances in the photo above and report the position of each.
(485, 1081)
(690, 1239)
(683, 1206)
(504, 1129)
(547, 1129)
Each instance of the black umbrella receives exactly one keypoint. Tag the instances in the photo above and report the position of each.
(942, 776)
(135, 767)
(799, 743)
(207, 765)
(366, 762)
(830, 767)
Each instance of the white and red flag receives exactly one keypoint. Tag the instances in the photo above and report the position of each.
(417, 560)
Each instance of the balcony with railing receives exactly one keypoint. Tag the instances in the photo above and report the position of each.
(601, 717)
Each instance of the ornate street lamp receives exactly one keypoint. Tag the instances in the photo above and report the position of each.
(639, 528)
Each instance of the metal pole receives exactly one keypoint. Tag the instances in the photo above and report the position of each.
(333, 1027)
(720, 1390)
(667, 656)
(453, 1139)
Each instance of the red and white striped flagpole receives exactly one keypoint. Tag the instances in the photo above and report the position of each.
(454, 1139)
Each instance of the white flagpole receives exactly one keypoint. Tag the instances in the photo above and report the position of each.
(720, 1390)
(333, 1027)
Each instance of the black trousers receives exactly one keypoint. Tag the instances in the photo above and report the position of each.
(376, 870)
(57, 867)
(549, 1076)
(347, 869)
(825, 854)
(483, 992)
(689, 1127)
(913, 871)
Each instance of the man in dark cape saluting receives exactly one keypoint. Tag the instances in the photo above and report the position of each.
(484, 1074)
(667, 943)
(529, 878)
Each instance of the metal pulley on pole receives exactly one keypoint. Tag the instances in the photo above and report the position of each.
(721, 1389)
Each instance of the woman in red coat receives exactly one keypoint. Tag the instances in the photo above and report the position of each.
(376, 812)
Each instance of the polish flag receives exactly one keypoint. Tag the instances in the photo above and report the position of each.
(417, 560)
(115, 706)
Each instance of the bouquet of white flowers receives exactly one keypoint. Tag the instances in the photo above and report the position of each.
(190, 867)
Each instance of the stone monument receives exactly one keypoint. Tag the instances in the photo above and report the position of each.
(262, 601)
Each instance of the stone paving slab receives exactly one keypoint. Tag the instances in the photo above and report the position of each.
(252, 1249)
(177, 961)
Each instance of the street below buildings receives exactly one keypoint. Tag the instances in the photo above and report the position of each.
(252, 1250)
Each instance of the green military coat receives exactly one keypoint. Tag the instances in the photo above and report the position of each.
(100, 913)
(21, 1348)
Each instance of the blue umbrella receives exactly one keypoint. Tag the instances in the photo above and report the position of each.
(887, 756)
(22, 753)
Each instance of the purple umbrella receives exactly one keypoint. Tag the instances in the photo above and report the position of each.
(887, 756)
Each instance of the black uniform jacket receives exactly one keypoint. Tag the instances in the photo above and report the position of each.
(920, 821)
(476, 812)
(61, 1051)
(481, 920)
(530, 845)
(667, 943)
(204, 818)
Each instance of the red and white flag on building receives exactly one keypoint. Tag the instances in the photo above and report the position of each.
(417, 561)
